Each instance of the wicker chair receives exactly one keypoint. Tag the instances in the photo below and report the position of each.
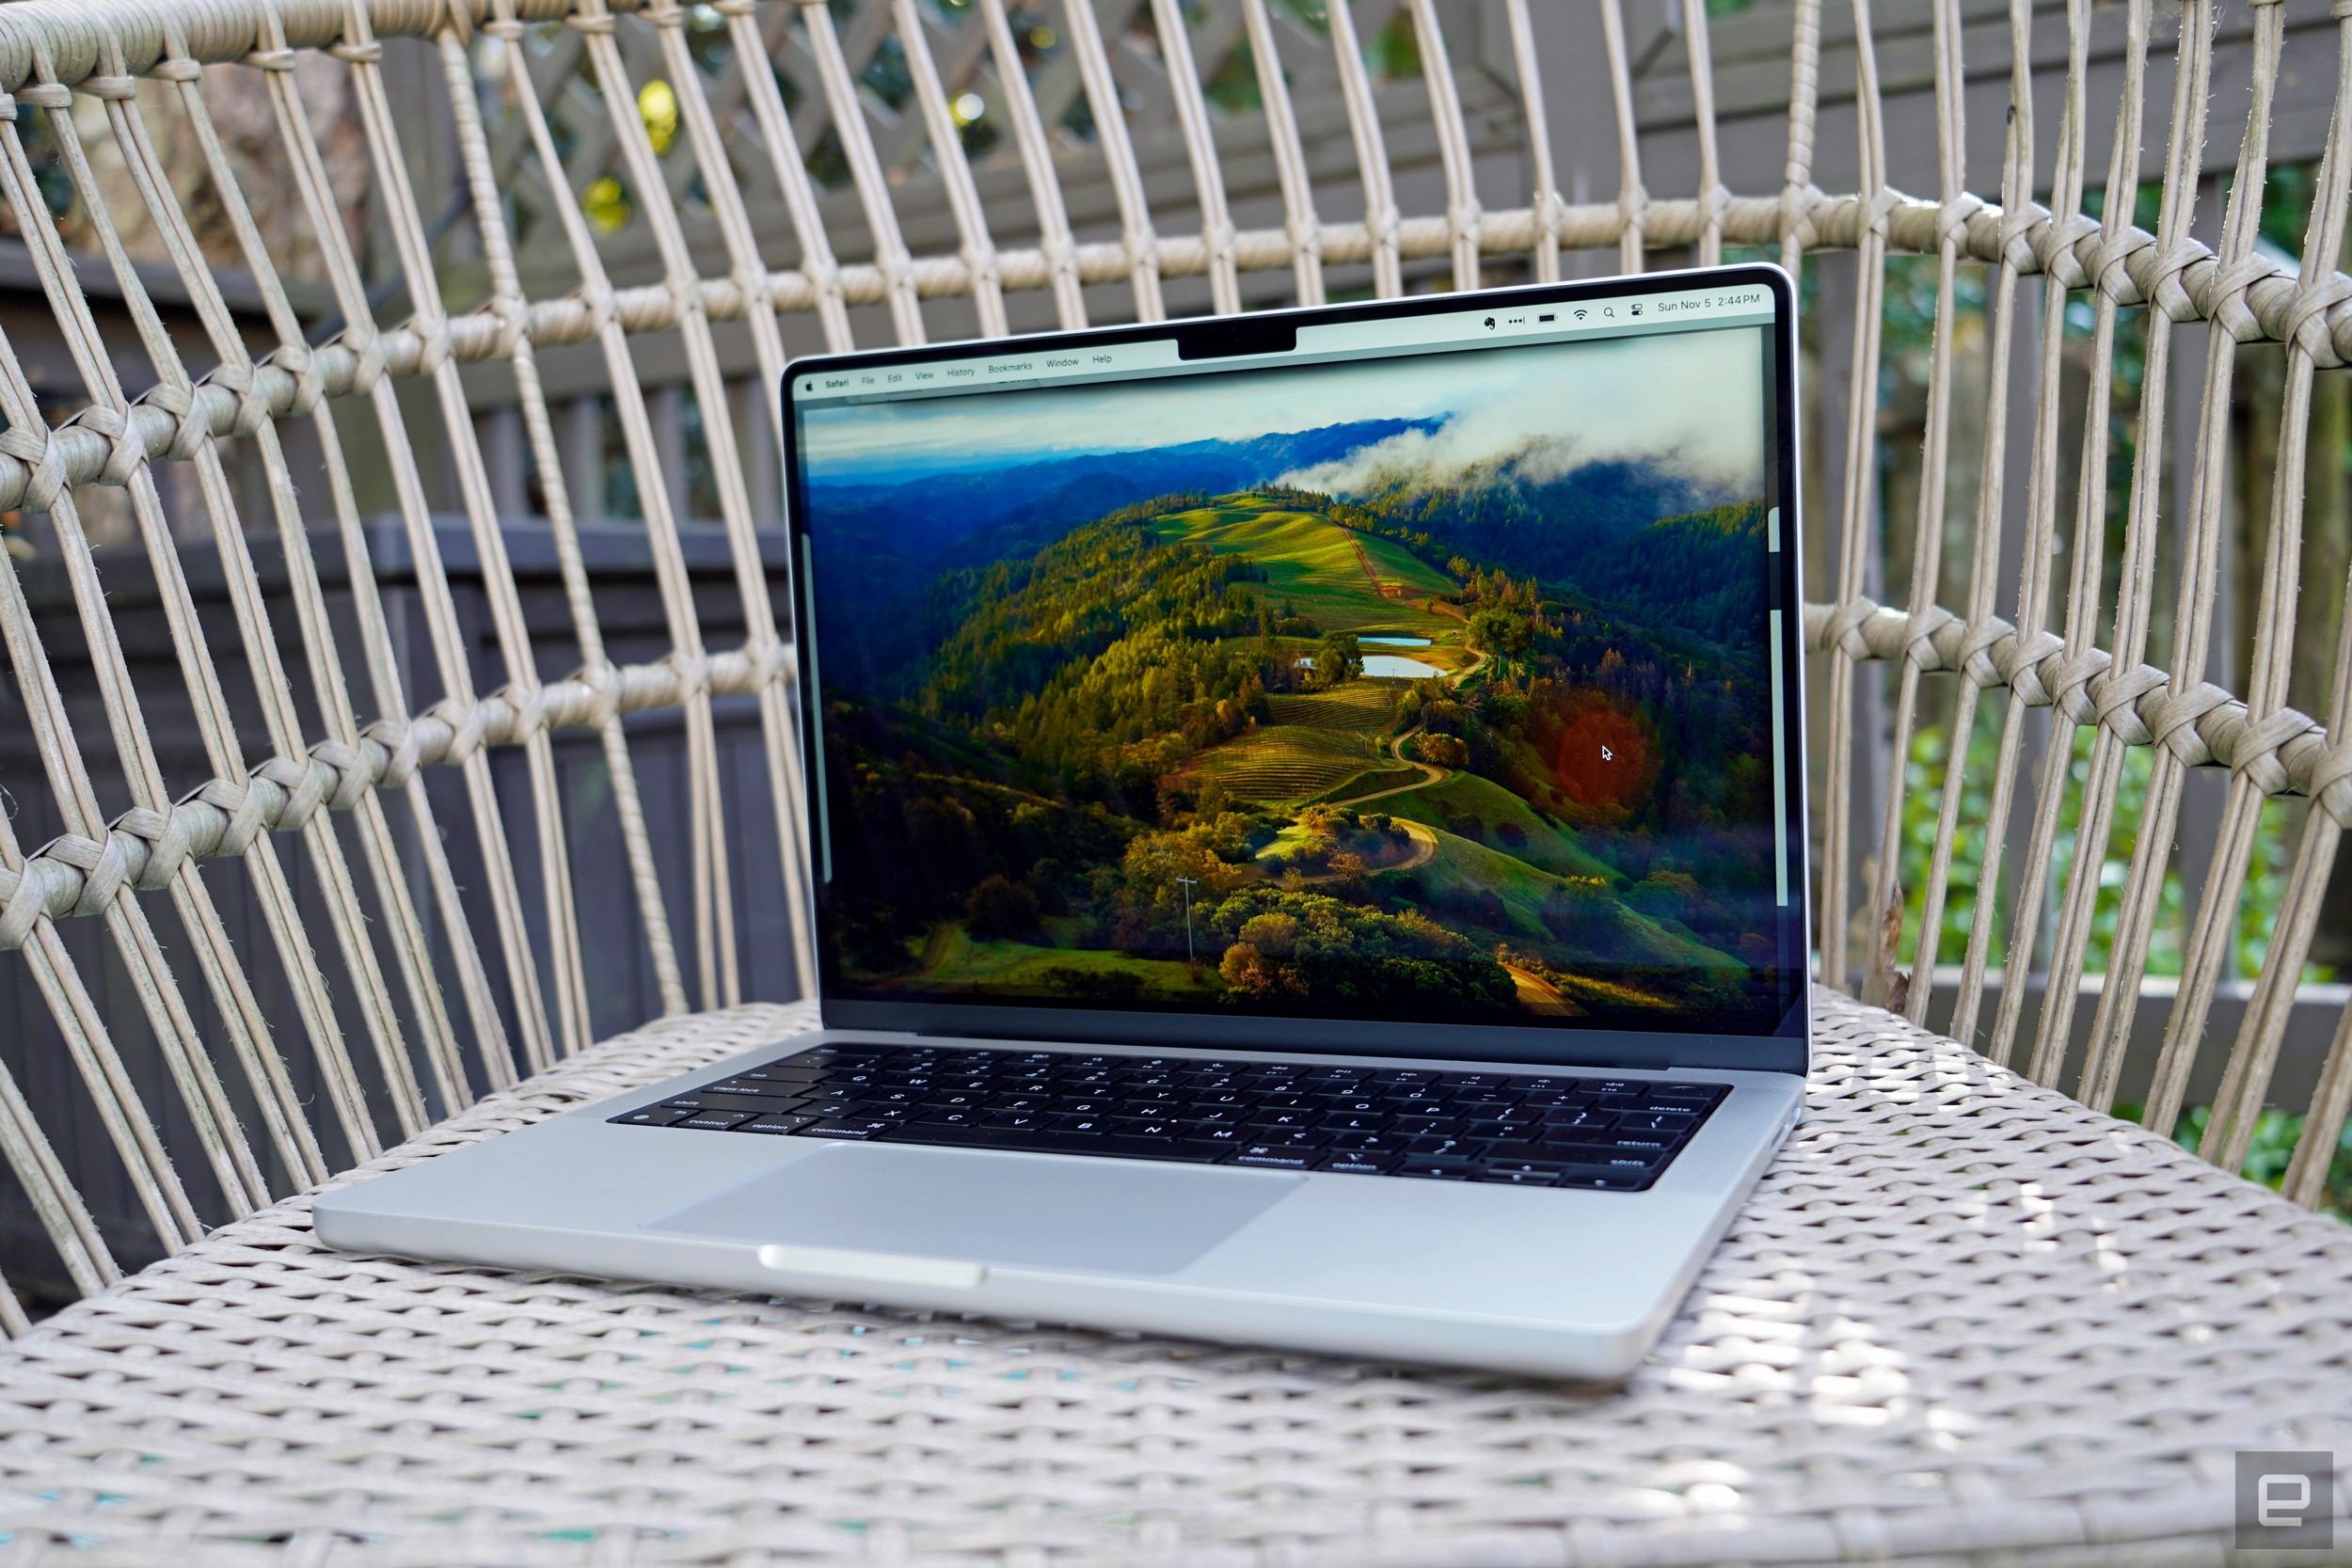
(443, 543)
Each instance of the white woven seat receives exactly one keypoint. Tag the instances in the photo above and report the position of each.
(396, 704)
(1963, 1320)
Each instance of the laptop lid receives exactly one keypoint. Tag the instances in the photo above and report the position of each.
(1418, 677)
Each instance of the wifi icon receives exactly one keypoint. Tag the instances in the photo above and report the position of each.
(1580, 315)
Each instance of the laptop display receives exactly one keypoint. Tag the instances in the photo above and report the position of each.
(1424, 667)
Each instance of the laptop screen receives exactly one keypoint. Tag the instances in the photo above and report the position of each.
(1426, 663)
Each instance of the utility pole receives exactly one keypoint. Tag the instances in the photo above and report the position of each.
(1188, 882)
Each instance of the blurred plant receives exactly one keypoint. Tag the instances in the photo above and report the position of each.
(2276, 1133)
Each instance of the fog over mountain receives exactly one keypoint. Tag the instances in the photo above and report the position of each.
(1493, 446)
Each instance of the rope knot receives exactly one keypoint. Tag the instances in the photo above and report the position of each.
(44, 887)
(271, 60)
(348, 766)
(190, 428)
(2307, 318)
(693, 675)
(1975, 658)
(2330, 783)
(2059, 246)
(2070, 683)
(2225, 294)
(2165, 288)
(303, 785)
(247, 806)
(104, 867)
(179, 69)
(2021, 664)
(2111, 262)
(146, 828)
(117, 89)
(394, 750)
(2255, 749)
(2172, 721)
(309, 383)
(2115, 701)
(366, 52)
(46, 95)
(126, 449)
(1951, 219)
(38, 450)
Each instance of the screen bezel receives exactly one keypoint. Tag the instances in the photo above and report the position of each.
(1784, 1049)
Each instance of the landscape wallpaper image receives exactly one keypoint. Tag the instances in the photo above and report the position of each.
(1447, 700)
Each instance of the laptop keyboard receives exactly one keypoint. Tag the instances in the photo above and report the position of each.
(1550, 1130)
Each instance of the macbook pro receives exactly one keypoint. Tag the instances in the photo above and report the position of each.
(1306, 828)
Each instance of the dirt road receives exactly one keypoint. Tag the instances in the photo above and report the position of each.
(1538, 995)
(1425, 850)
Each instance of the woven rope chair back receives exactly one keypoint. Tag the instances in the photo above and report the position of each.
(356, 316)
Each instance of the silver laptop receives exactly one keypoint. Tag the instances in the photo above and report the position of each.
(1308, 821)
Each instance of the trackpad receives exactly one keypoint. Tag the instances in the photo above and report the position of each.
(1008, 1210)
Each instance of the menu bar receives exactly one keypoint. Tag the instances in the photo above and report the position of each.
(1623, 315)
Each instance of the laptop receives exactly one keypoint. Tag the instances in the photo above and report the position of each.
(1308, 828)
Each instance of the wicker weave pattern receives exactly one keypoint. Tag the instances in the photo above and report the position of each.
(1965, 1320)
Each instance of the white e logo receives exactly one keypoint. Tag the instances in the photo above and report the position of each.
(2279, 1500)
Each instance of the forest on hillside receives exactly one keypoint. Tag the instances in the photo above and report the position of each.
(1025, 809)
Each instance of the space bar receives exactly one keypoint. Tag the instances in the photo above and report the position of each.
(1108, 1146)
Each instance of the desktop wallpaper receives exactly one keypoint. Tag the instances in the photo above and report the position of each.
(1412, 689)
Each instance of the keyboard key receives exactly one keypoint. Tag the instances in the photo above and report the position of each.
(854, 1130)
(1512, 1175)
(1275, 1156)
(652, 1116)
(702, 1099)
(1438, 1168)
(1044, 1141)
(712, 1121)
(1448, 1148)
(1017, 1120)
(1498, 1168)
(1603, 1179)
(1360, 1162)
(1349, 1121)
(1619, 1102)
(774, 1124)
(760, 1088)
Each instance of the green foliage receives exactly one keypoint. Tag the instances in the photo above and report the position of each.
(1000, 907)
(1930, 761)
(1338, 657)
